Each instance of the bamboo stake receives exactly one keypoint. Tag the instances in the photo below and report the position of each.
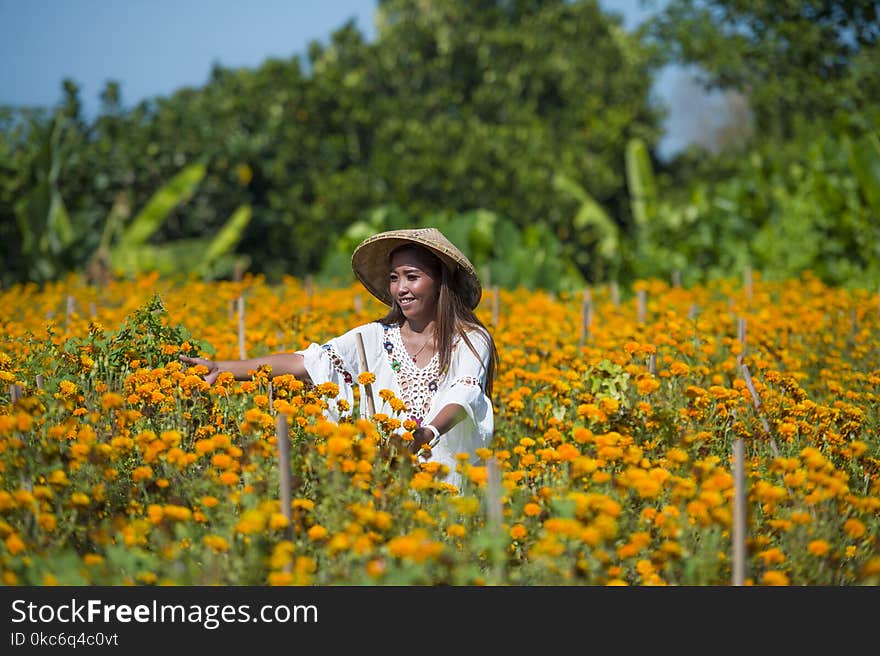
(615, 294)
(741, 337)
(14, 393)
(358, 303)
(39, 380)
(757, 401)
(739, 514)
(495, 515)
(676, 278)
(282, 433)
(642, 305)
(586, 317)
(368, 389)
(241, 350)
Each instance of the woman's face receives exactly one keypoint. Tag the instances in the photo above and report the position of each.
(414, 283)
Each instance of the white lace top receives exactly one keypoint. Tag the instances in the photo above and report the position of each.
(425, 390)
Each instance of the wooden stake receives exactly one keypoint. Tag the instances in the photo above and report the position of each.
(282, 434)
(739, 514)
(241, 350)
(741, 337)
(642, 305)
(368, 389)
(586, 317)
(495, 515)
(757, 401)
(615, 294)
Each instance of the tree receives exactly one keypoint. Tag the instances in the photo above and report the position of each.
(797, 61)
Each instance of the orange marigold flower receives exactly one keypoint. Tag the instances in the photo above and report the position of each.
(818, 547)
(854, 528)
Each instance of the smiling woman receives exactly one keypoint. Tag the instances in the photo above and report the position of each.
(430, 350)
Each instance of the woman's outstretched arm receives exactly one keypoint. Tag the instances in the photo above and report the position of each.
(281, 364)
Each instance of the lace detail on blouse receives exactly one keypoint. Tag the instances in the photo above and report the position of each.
(338, 363)
(417, 386)
(468, 380)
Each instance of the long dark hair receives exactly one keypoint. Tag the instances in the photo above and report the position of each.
(454, 318)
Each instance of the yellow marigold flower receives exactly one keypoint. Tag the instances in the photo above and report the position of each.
(156, 513)
(111, 400)
(772, 556)
(229, 478)
(80, 499)
(59, 477)
(774, 577)
(278, 521)
(818, 547)
(854, 528)
(216, 543)
(66, 388)
(47, 522)
(142, 473)
(518, 532)
(532, 509)
(209, 501)
(14, 544)
(478, 475)
(277, 579)
(252, 521)
(317, 533)
(177, 513)
(456, 531)
(91, 559)
(872, 567)
(647, 384)
(366, 378)
(416, 546)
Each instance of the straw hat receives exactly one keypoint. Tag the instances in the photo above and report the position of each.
(371, 259)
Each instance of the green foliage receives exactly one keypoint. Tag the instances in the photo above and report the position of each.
(796, 62)
(455, 108)
(503, 254)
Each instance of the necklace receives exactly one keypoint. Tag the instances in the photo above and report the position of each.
(422, 348)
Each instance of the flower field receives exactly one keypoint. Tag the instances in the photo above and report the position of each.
(621, 421)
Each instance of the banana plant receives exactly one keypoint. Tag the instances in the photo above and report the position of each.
(124, 250)
(640, 180)
(43, 221)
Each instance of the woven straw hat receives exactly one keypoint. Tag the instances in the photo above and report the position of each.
(371, 259)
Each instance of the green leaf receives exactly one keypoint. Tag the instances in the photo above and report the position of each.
(640, 179)
(228, 237)
(180, 188)
(864, 161)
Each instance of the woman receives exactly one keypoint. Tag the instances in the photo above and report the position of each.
(430, 349)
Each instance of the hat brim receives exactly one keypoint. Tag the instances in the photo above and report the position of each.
(371, 259)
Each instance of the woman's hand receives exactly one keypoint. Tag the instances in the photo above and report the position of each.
(210, 365)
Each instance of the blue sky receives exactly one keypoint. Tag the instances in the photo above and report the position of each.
(154, 47)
